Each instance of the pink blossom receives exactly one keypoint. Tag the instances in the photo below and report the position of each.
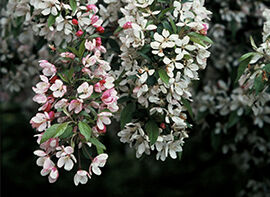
(92, 7)
(103, 119)
(48, 68)
(47, 106)
(42, 87)
(68, 55)
(81, 177)
(50, 145)
(58, 88)
(90, 45)
(76, 105)
(204, 30)
(50, 170)
(109, 96)
(40, 121)
(61, 104)
(85, 90)
(94, 19)
(89, 60)
(66, 157)
(40, 98)
(98, 161)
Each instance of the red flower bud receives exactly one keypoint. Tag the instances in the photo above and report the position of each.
(162, 125)
(79, 33)
(102, 81)
(100, 29)
(75, 21)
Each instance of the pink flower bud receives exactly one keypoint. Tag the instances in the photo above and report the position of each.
(98, 41)
(51, 115)
(79, 33)
(127, 25)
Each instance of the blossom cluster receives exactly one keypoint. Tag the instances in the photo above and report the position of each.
(59, 21)
(163, 46)
(77, 99)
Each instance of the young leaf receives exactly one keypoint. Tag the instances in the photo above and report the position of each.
(49, 133)
(152, 130)
(242, 67)
(51, 20)
(73, 5)
(245, 56)
(61, 129)
(188, 107)
(97, 143)
(164, 76)
(85, 130)
(173, 26)
(67, 133)
(81, 49)
(126, 114)
(267, 68)
(258, 84)
(200, 37)
(54, 131)
(233, 119)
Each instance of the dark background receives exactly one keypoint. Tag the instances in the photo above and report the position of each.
(202, 171)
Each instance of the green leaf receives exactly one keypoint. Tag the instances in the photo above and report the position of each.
(97, 143)
(73, 5)
(85, 130)
(95, 95)
(233, 119)
(258, 84)
(173, 25)
(253, 44)
(267, 68)
(245, 56)
(180, 154)
(167, 26)
(73, 50)
(54, 131)
(61, 129)
(144, 56)
(51, 20)
(165, 11)
(126, 114)
(164, 76)
(152, 130)
(242, 67)
(67, 133)
(188, 107)
(81, 49)
(200, 37)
